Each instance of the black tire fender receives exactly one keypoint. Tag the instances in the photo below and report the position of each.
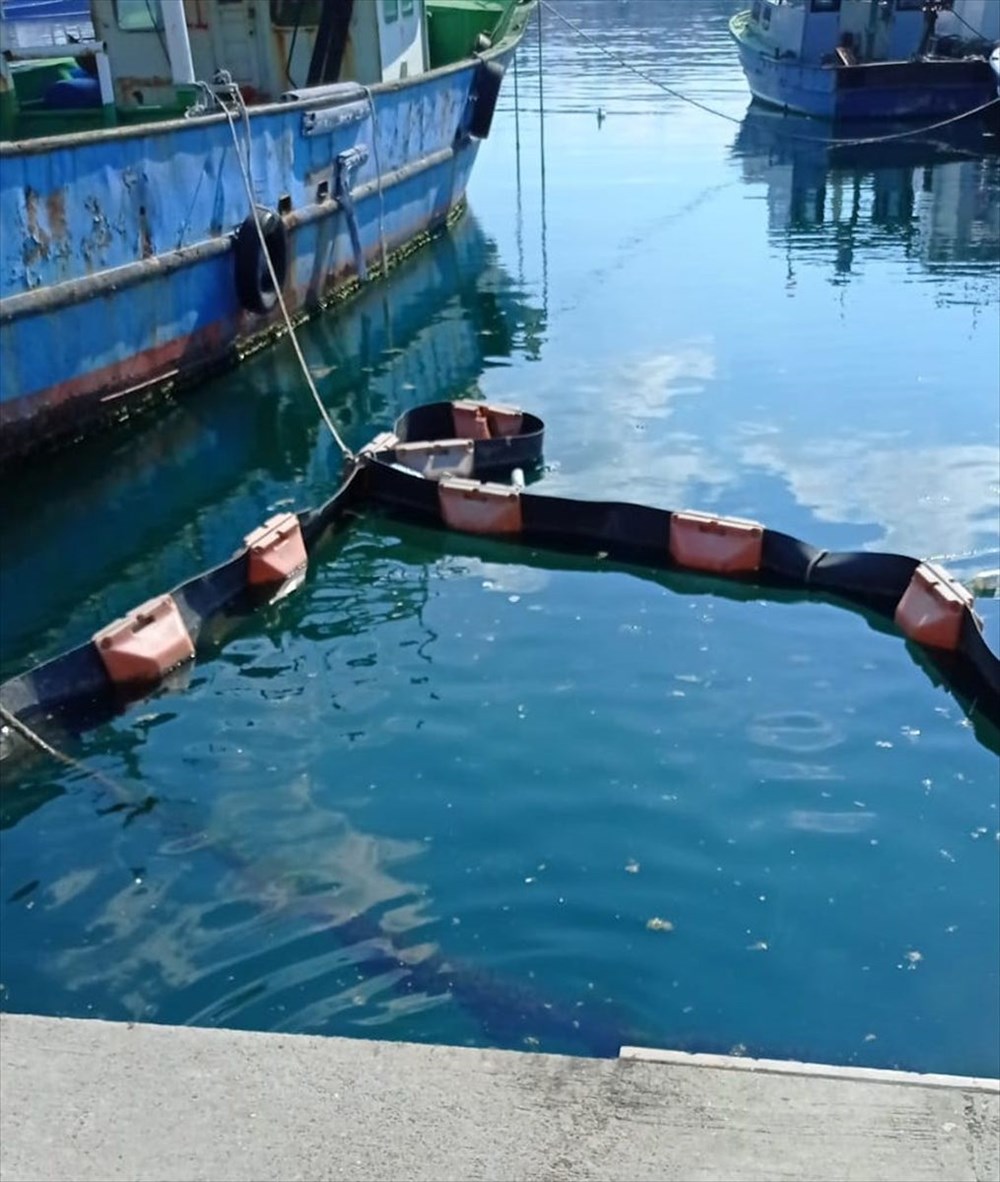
(254, 288)
(486, 91)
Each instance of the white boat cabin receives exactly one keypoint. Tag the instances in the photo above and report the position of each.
(269, 47)
(820, 32)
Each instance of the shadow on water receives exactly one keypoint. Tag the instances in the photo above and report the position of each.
(507, 1013)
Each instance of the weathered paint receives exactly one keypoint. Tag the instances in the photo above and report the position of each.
(117, 276)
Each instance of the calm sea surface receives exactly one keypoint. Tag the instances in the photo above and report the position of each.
(457, 792)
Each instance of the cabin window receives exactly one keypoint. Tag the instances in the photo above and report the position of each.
(766, 15)
(138, 16)
(390, 11)
(828, 5)
(407, 9)
(755, 11)
(909, 5)
(296, 14)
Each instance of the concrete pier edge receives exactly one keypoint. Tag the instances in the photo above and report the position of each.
(965, 1083)
(90, 1100)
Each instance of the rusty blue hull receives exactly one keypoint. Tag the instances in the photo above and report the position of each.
(117, 247)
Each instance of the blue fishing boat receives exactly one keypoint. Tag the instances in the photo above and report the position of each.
(172, 185)
(870, 59)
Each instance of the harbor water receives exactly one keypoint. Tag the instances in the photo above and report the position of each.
(460, 792)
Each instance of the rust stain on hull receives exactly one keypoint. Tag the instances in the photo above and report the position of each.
(61, 413)
(36, 241)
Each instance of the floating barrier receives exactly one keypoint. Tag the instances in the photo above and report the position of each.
(431, 469)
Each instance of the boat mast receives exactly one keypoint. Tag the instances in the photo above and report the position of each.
(178, 45)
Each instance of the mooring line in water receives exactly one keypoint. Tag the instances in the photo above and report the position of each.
(237, 96)
(35, 740)
(635, 69)
(809, 139)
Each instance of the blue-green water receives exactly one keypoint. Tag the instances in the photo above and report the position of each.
(459, 792)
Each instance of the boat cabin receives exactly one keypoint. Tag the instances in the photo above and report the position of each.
(144, 57)
(860, 30)
(268, 46)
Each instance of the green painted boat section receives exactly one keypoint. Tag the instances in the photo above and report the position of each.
(454, 27)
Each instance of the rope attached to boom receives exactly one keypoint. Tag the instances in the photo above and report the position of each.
(35, 740)
(213, 99)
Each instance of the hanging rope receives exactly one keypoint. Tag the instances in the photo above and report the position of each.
(213, 100)
(972, 28)
(812, 139)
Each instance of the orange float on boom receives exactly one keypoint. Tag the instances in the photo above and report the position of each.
(276, 551)
(932, 608)
(480, 508)
(142, 647)
(718, 545)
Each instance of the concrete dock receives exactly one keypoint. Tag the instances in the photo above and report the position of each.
(96, 1100)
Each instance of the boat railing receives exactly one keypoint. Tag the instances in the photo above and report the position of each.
(75, 49)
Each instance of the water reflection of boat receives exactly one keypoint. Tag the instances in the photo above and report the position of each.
(939, 195)
(117, 526)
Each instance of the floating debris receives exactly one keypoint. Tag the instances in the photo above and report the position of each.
(656, 924)
(631, 866)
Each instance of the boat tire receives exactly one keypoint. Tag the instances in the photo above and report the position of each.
(489, 75)
(254, 288)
